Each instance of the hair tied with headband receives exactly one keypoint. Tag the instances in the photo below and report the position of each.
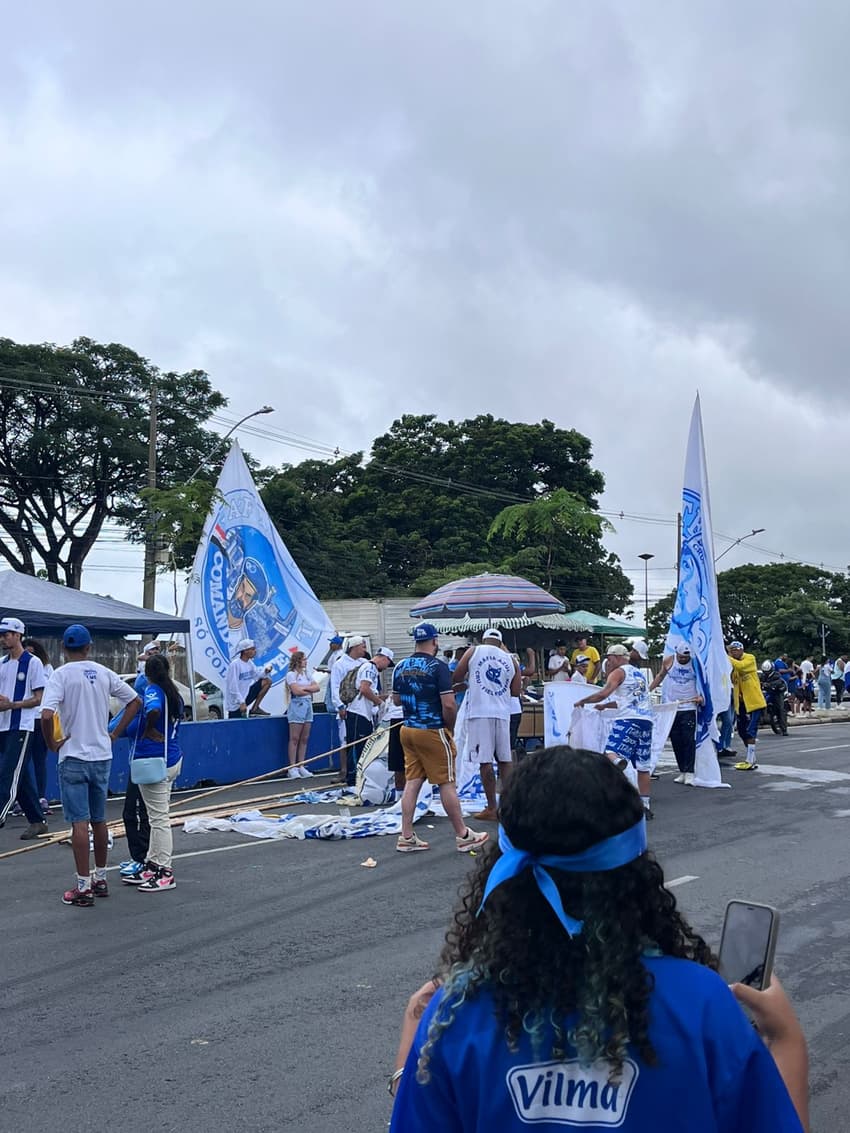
(609, 854)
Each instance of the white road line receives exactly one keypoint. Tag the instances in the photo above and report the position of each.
(680, 881)
(830, 747)
(220, 849)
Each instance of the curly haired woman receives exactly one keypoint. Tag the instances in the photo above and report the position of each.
(572, 993)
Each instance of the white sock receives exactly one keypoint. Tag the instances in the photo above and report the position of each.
(645, 800)
(83, 883)
(100, 873)
(751, 753)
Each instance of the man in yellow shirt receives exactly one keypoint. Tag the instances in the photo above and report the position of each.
(592, 654)
(748, 700)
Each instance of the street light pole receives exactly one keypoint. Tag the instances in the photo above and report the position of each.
(646, 557)
(749, 535)
(232, 429)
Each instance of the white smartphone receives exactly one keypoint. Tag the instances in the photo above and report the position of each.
(748, 943)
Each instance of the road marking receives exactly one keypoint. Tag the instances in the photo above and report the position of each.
(680, 881)
(830, 747)
(219, 849)
(804, 774)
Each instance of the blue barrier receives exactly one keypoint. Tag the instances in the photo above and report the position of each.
(225, 751)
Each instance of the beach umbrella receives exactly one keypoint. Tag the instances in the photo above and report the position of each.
(491, 596)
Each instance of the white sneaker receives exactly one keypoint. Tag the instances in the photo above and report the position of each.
(292, 773)
(304, 773)
(689, 779)
(680, 778)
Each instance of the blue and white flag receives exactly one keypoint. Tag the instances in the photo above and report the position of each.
(245, 583)
(696, 614)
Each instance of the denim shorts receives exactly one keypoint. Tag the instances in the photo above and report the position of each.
(300, 710)
(83, 784)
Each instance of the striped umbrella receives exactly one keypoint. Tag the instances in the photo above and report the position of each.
(487, 596)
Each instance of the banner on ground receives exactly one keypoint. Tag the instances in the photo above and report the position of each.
(245, 583)
(696, 613)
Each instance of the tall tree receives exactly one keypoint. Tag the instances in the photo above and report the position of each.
(74, 446)
(798, 626)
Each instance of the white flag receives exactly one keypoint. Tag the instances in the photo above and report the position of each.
(245, 583)
(696, 614)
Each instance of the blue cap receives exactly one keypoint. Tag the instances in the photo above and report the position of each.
(425, 632)
(336, 639)
(76, 637)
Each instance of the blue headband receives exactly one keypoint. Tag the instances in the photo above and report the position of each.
(607, 855)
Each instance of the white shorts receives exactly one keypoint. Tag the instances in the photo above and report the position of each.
(488, 739)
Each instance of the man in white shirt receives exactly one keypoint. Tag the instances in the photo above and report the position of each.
(79, 693)
(492, 678)
(583, 664)
(22, 683)
(361, 712)
(354, 653)
(336, 643)
(558, 666)
(245, 684)
(147, 651)
(679, 686)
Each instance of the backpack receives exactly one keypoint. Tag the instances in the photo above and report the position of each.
(349, 686)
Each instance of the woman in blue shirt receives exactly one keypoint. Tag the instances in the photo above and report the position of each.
(158, 735)
(573, 994)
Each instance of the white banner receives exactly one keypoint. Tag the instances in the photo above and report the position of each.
(696, 614)
(245, 583)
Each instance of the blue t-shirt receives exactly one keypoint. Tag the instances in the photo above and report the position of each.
(714, 1074)
(153, 699)
(419, 680)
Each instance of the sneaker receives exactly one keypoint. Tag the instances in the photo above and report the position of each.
(34, 830)
(130, 869)
(305, 773)
(45, 806)
(162, 879)
(680, 778)
(84, 898)
(16, 811)
(148, 871)
(689, 778)
(259, 712)
(470, 840)
(487, 815)
(744, 766)
(292, 773)
(99, 888)
(411, 845)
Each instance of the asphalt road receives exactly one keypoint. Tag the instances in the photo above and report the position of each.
(264, 993)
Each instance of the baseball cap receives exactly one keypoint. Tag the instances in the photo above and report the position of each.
(736, 645)
(336, 639)
(12, 625)
(385, 651)
(616, 651)
(76, 637)
(245, 643)
(356, 640)
(641, 648)
(494, 633)
(425, 632)
(682, 648)
(582, 660)
(151, 645)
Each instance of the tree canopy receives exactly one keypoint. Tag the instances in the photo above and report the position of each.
(751, 598)
(422, 509)
(74, 446)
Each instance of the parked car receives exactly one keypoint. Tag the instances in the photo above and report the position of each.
(213, 697)
(185, 694)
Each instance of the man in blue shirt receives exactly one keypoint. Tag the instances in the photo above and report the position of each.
(422, 685)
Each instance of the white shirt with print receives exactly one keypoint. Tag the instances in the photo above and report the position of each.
(79, 691)
(489, 677)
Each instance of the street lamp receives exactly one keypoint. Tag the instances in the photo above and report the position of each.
(232, 429)
(646, 557)
(749, 535)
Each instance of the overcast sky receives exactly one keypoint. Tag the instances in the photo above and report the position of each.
(578, 210)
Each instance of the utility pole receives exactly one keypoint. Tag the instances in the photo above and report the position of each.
(646, 558)
(823, 633)
(149, 593)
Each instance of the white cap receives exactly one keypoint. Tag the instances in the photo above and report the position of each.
(354, 641)
(616, 651)
(245, 643)
(151, 645)
(385, 651)
(494, 633)
(640, 647)
(12, 625)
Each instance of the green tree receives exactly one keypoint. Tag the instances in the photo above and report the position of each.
(749, 593)
(74, 446)
(794, 628)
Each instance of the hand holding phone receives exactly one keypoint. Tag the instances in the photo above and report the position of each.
(748, 944)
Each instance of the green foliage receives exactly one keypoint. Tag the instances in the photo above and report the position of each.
(422, 507)
(752, 599)
(73, 450)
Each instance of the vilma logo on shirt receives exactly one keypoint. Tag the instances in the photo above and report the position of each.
(567, 1093)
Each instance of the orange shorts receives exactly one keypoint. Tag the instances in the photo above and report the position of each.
(429, 753)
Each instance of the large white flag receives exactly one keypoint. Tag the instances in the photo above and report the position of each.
(696, 614)
(245, 583)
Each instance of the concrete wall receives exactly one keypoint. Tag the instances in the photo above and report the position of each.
(387, 620)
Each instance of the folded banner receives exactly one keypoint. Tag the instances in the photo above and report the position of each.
(245, 584)
(696, 613)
